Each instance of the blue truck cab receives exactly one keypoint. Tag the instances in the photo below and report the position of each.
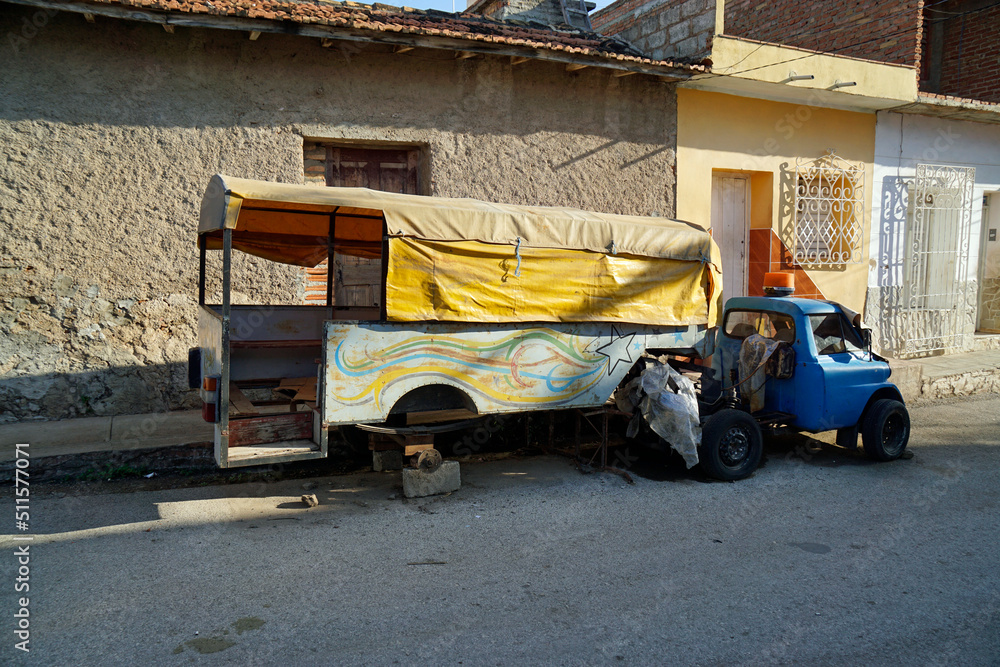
(815, 372)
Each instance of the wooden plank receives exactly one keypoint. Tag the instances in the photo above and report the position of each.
(268, 429)
(432, 416)
(239, 401)
(274, 344)
(418, 443)
(307, 392)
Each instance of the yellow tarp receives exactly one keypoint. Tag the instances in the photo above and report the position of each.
(456, 259)
(474, 281)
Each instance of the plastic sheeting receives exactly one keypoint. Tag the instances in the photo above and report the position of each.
(668, 403)
(754, 353)
(470, 281)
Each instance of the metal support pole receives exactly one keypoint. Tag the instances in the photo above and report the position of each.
(329, 264)
(227, 260)
(202, 260)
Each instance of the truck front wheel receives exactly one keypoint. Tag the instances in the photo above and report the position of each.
(731, 445)
(885, 430)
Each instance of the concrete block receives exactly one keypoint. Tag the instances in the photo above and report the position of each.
(387, 460)
(417, 483)
(908, 378)
(670, 16)
(678, 32)
(703, 23)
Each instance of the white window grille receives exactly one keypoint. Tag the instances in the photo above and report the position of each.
(829, 211)
(938, 235)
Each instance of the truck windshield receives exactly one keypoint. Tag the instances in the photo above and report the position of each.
(742, 323)
(834, 334)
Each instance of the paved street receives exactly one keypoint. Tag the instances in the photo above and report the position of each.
(818, 558)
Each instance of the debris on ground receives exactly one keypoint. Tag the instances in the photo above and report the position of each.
(310, 500)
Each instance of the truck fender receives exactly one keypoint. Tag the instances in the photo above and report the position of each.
(847, 437)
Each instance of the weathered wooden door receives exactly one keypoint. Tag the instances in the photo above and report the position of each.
(357, 280)
(730, 227)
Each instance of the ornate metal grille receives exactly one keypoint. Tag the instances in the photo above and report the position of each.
(829, 211)
(936, 298)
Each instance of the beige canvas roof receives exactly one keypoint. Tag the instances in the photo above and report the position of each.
(291, 223)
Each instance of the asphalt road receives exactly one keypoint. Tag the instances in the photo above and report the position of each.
(819, 558)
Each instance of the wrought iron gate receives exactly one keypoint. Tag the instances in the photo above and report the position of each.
(936, 293)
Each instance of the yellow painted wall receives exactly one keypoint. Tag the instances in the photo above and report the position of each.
(726, 132)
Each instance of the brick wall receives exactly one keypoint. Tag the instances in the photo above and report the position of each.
(664, 29)
(887, 32)
(962, 49)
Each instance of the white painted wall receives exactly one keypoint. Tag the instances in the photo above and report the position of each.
(902, 141)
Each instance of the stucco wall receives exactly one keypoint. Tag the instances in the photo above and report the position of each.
(764, 138)
(112, 130)
(902, 141)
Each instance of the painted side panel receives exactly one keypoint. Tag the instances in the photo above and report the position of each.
(502, 368)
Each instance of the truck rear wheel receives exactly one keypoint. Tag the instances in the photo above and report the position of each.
(885, 430)
(731, 445)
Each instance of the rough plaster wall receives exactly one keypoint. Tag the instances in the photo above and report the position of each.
(107, 159)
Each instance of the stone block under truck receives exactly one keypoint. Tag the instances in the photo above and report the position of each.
(820, 376)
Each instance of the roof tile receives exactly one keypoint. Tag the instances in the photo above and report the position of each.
(386, 18)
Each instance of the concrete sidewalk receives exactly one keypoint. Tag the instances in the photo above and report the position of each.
(112, 434)
(947, 375)
(918, 379)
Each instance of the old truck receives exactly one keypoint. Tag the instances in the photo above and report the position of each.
(808, 366)
(475, 308)
(472, 309)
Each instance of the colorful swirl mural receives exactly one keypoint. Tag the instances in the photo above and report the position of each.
(523, 367)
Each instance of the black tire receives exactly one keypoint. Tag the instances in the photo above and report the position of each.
(731, 445)
(885, 430)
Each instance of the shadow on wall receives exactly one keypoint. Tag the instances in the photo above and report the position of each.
(109, 391)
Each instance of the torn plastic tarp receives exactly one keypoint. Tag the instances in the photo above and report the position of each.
(668, 403)
(754, 353)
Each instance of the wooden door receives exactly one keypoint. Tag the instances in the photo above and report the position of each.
(730, 228)
(358, 280)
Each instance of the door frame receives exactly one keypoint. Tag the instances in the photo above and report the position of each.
(984, 230)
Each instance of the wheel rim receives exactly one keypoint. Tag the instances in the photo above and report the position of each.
(893, 432)
(734, 447)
